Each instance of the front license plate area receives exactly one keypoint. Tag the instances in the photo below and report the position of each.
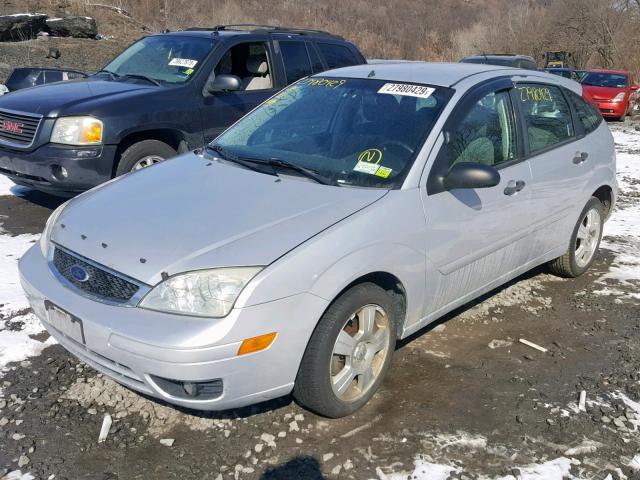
(64, 322)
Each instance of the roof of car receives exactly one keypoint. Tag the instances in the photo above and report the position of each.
(248, 29)
(441, 74)
(499, 55)
(600, 70)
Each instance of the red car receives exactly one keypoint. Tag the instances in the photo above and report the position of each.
(612, 91)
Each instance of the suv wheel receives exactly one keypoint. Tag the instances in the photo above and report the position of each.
(584, 243)
(349, 352)
(143, 154)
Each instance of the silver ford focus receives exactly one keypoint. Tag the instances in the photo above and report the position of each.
(346, 212)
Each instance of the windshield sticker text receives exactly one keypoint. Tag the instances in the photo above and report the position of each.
(183, 62)
(535, 94)
(407, 90)
(325, 82)
(384, 172)
(371, 155)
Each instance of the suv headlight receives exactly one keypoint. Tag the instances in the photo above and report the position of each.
(77, 131)
(205, 293)
(619, 97)
(45, 238)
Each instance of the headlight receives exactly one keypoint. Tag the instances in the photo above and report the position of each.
(619, 97)
(45, 238)
(77, 131)
(205, 293)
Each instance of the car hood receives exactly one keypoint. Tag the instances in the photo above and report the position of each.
(53, 99)
(192, 213)
(602, 93)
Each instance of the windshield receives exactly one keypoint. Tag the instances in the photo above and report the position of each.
(556, 56)
(354, 132)
(597, 79)
(164, 58)
(560, 72)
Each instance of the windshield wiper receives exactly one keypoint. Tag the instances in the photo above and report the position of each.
(112, 75)
(307, 172)
(141, 77)
(249, 163)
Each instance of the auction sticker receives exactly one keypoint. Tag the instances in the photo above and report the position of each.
(183, 62)
(406, 89)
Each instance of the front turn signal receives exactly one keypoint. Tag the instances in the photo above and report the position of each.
(255, 344)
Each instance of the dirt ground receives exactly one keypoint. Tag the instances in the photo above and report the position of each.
(464, 399)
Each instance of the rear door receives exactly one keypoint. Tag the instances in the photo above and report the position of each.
(560, 163)
(476, 238)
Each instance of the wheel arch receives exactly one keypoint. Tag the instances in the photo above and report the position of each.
(604, 193)
(172, 137)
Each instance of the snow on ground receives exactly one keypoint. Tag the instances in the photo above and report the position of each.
(12, 298)
(624, 223)
(16, 342)
(7, 187)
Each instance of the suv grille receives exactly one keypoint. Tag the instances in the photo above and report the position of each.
(18, 129)
(98, 282)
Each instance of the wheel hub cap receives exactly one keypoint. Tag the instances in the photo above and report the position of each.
(360, 352)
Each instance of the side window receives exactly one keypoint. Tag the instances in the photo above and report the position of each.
(53, 76)
(588, 115)
(486, 134)
(316, 63)
(296, 60)
(250, 62)
(546, 114)
(337, 55)
(39, 80)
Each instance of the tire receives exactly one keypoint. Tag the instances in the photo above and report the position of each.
(152, 150)
(573, 264)
(320, 365)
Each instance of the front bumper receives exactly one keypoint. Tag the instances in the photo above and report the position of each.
(613, 109)
(133, 345)
(41, 168)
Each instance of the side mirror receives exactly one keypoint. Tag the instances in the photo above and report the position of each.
(223, 82)
(471, 175)
(635, 87)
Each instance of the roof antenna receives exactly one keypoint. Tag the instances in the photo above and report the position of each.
(372, 73)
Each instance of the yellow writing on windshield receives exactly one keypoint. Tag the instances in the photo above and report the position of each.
(325, 82)
(535, 94)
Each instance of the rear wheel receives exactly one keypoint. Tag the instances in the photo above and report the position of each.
(349, 352)
(143, 154)
(584, 242)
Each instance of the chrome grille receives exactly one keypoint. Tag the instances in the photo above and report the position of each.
(98, 282)
(18, 129)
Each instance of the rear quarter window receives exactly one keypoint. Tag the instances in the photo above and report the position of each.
(588, 115)
(337, 56)
(546, 114)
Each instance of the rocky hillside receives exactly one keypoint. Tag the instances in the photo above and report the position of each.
(115, 28)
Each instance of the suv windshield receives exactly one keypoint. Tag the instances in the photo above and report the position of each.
(163, 58)
(359, 132)
(596, 79)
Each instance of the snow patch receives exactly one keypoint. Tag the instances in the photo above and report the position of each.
(557, 469)
(12, 298)
(7, 187)
(16, 343)
(424, 470)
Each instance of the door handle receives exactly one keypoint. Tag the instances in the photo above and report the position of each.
(580, 157)
(514, 187)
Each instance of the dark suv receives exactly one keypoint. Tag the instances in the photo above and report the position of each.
(504, 60)
(166, 93)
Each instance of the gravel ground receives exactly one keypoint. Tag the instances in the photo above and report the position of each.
(464, 399)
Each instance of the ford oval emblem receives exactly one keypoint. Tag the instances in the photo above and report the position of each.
(79, 273)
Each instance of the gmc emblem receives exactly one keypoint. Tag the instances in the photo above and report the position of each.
(9, 126)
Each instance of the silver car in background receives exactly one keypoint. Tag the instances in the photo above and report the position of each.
(346, 212)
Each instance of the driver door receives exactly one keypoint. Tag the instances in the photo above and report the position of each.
(477, 238)
(222, 109)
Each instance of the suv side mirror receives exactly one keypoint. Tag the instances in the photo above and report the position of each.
(471, 175)
(223, 82)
